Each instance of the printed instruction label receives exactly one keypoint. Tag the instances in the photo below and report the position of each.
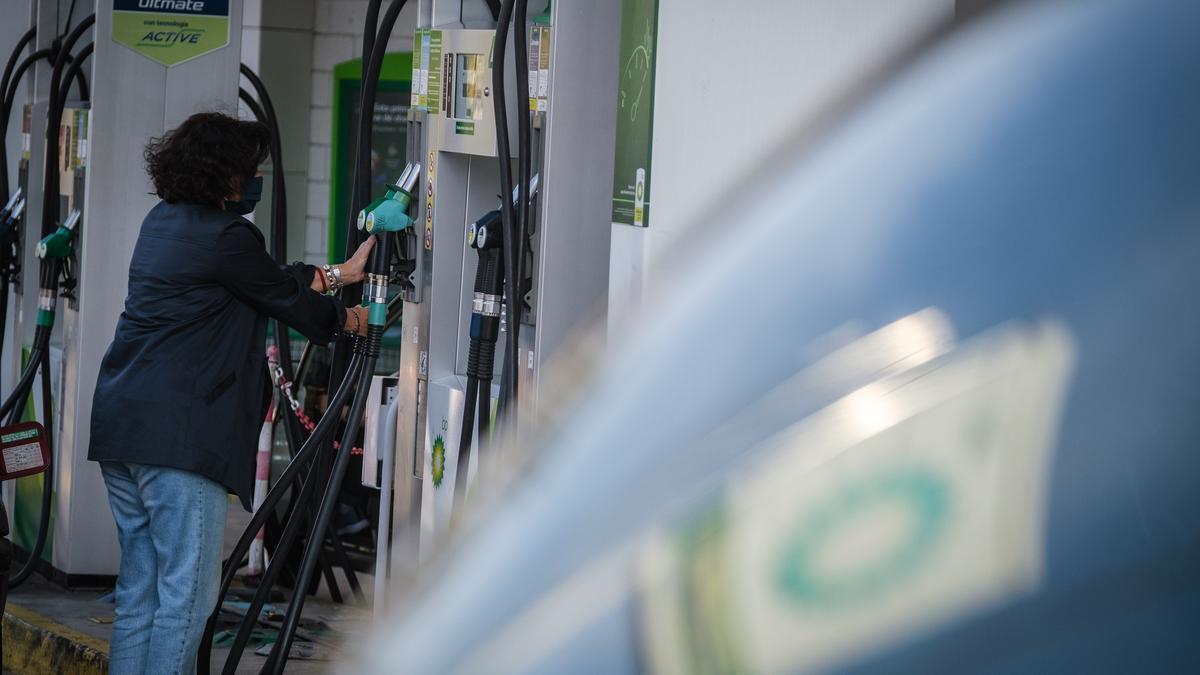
(543, 80)
(23, 457)
(419, 64)
(535, 49)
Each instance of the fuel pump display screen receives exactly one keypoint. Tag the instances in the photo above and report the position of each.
(470, 76)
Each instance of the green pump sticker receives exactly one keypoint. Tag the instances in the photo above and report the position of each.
(635, 113)
(19, 435)
(171, 31)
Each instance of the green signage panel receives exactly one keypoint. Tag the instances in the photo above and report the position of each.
(635, 113)
(389, 137)
(171, 31)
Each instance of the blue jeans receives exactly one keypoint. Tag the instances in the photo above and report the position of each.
(171, 525)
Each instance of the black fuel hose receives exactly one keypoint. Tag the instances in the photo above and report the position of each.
(507, 213)
(471, 393)
(39, 544)
(265, 113)
(370, 26)
(485, 330)
(291, 423)
(365, 359)
(360, 183)
(326, 425)
(287, 539)
(376, 277)
(13, 58)
(516, 276)
(279, 652)
(75, 74)
(10, 94)
(50, 188)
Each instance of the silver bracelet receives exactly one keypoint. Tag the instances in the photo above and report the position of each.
(333, 278)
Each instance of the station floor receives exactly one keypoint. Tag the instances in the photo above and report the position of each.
(82, 621)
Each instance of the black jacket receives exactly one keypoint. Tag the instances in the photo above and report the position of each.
(184, 382)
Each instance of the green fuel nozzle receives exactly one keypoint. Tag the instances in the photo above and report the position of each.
(390, 212)
(60, 243)
(384, 218)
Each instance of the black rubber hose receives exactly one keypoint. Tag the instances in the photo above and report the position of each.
(10, 94)
(266, 114)
(484, 408)
(75, 73)
(360, 184)
(4, 84)
(370, 26)
(290, 531)
(291, 422)
(504, 156)
(4, 284)
(39, 544)
(283, 344)
(494, 8)
(14, 57)
(50, 186)
(516, 273)
(16, 400)
(278, 183)
(343, 560)
(464, 438)
(327, 424)
(279, 652)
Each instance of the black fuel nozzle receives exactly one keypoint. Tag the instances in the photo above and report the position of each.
(13, 199)
(10, 218)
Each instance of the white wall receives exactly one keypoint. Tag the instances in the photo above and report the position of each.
(275, 36)
(734, 77)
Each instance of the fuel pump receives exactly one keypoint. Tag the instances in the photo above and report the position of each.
(55, 251)
(14, 70)
(472, 96)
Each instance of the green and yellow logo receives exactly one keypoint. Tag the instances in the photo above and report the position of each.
(439, 461)
(171, 31)
(922, 496)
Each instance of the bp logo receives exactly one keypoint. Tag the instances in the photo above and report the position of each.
(922, 497)
(439, 461)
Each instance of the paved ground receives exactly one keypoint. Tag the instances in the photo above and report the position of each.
(88, 613)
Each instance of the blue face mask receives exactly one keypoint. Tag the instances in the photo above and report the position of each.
(251, 193)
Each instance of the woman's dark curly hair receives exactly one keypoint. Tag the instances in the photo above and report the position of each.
(206, 158)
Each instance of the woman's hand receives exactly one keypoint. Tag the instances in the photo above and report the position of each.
(354, 269)
(356, 320)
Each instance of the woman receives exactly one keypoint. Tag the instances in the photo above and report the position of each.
(183, 388)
